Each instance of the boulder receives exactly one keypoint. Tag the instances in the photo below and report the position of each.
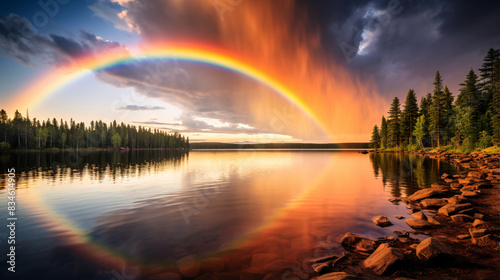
(485, 241)
(479, 224)
(336, 276)
(382, 221)
(470, 194)
(350, 240)
(475, 174)
(433, 221)
(445, 175)
(462, 219)
(433, 250)
(478, 216)
(478, 232)
(465, 181)
(434, 192)
(451, 209)
(456, 186)
(419, 215)
(433, 202)
(457, 199)
(365, 246)
(419, 224)
(385, 259)
(468, 188)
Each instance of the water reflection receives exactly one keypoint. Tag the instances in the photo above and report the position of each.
(219, 214)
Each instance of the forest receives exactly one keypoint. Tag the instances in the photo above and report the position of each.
(21, 133)
(469, 122)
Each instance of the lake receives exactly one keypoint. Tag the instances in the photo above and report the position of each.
(241, 214)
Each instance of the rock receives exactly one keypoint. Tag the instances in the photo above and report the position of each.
(463, 236)
(465, 181)
(419, 215)
(413, 246)
(468, 188)
(468, 211)
(475, 174)
(461, 218)
(433, 250)
(457, 199)
(479, 224)
(474, 233)
(478, 216)
(382, 221)
(451, 209)
(456, 186)
(470, 194)
(483, 185)
(433, 202)
(385, 259)
(445, 175)
(188, 266)
(399, 217)
(433, 221)
(485, 241)
(365, 246)
(434, 192)
(350, 240)
(419, 224)
(166, 276)
(336, 276)
(449, 180)
(322, 268)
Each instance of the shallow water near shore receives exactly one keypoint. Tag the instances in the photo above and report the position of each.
(106, 215)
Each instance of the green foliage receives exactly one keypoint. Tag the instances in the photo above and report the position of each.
(383, 133)
(23, 133)
(4, 146)
(485, 140)
(409, 117)
(394, 124)
(419, 133)
(375, 141)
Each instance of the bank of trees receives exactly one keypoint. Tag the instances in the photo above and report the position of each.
(470, 121)
(24, 133)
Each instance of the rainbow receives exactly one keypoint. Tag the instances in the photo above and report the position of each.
(47, 85)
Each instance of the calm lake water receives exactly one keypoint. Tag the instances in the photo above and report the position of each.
(242, 214)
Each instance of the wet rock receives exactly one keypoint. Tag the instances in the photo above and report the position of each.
(478, 232)
(188, 266)
(322, 268)
(466, 181)
(434, 202)
(478, 216)
(382, 221)
(482, 185)
(337, 276)
(365, 246)
(437, 191)
(433, 250)
(419, 215)
(449, 180)
(480, 224)
(461, 218)
(451, 209)
(485, 241)
(433, 221)
(456, 186)
(475, 174)
(350, 240)
(463, 236)
(445, 175)
(385, 259)
(468, 188)
(322, 259)
(419, 224)
(399, 217)
(468, 211)
(457, 199)
(470, 194)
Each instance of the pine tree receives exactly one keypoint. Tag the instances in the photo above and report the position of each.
(468, 104)
(419, 132)
(394, 125)
(375, 141)
(447, 103)
(425, 104)
(383, 133)
(437, 110)
(409, 117)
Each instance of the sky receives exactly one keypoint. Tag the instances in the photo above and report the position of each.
(341, 62)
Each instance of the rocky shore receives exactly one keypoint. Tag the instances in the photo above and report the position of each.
(455, 233)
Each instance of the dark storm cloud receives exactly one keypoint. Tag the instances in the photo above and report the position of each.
(404, 49)
(19, 40)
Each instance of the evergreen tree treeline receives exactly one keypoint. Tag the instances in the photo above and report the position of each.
(471, 121)
(23, 133)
